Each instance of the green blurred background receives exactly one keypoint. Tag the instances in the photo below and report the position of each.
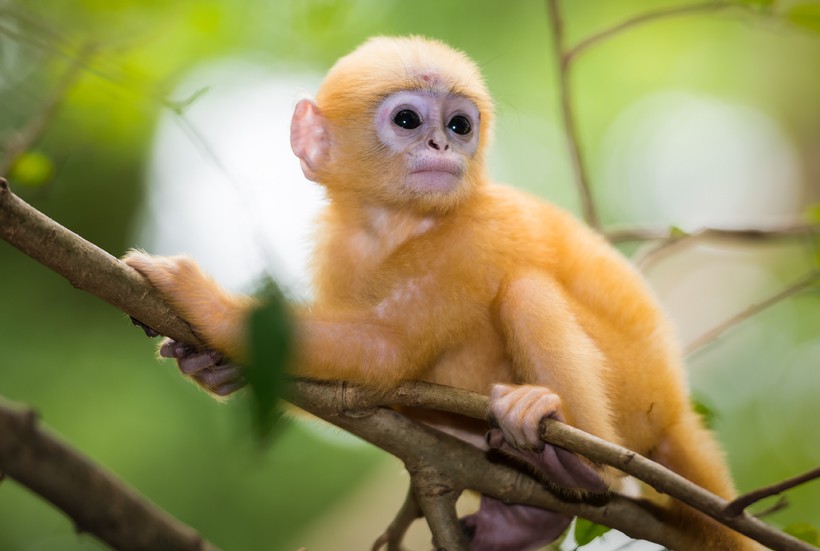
(710, 119)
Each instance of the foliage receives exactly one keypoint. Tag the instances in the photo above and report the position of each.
(271, 343)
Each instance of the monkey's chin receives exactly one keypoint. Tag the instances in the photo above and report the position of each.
(433, 181)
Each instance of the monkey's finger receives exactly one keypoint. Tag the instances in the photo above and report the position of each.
(229, 388)
(216, 376)
(174, 349)
(199, 361)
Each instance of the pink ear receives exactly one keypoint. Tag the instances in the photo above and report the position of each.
(309, 138)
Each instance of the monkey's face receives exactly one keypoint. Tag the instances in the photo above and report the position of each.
(434, 135)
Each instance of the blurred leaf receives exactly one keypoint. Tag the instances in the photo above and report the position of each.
(806, 16)
(762, 5)
(813, 213)
(706, 413)
(677, 233)
(586, 531)
(270, 347)
(805, 532)
(32, 169)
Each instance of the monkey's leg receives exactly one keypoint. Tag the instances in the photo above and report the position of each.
(500, 527)
(559, 366)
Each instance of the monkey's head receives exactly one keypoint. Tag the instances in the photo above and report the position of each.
(400, 121)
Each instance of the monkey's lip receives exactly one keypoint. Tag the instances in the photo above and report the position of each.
(437, 165)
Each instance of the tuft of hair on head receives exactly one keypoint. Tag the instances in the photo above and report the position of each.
(383, 65)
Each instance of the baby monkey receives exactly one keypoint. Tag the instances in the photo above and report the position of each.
(426, 270)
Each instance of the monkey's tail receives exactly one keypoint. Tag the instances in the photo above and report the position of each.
(690, 450)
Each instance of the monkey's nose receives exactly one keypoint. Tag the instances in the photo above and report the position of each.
(434, 144)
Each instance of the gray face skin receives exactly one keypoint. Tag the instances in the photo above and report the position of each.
(435, 132)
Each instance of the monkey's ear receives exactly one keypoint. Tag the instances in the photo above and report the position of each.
(309, 138)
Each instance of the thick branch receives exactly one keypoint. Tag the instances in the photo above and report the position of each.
(96, 501)
(437, 494)
(86, 266)
(596, 449)
(467, 466)
(418, 446)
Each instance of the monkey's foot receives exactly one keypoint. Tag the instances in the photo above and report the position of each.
(518, 411)
(500, 527)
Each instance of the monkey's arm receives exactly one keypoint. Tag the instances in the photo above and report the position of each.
(559, 365)
(216, 316)
(359, 345)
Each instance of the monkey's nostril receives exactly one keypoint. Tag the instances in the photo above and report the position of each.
(434, 145)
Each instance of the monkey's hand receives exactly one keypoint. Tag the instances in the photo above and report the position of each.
(207, 368)
(217, 317)
(213, 314)
(518, 411)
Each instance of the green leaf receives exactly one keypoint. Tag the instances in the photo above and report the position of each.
(677, 233)
(32, 169)
(813, 213)
(806, 16)
(706, 413)
(762, 5)
(805, 532)
(586, 531)
(270, 347)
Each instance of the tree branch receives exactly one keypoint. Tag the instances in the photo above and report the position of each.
(670, 243)
(795, 289)
(24, 140)
(394, 535)
(664, 13)
(86, 266)
(588, 208)
(354, 409)
(98, 503)
(744, 501)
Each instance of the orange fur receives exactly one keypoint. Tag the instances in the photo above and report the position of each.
(471, 288)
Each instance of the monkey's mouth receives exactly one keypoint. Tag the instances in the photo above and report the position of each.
(435, 176)
(437, 165)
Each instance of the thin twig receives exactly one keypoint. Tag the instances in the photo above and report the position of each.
(665, 481)
(664, 13)
(31, 134)
(588, 207)
(737, 506)
(624, 235)
(407, 514)
(796, 288)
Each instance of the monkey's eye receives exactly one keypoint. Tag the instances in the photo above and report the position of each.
(460, 125)
(407, 119)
